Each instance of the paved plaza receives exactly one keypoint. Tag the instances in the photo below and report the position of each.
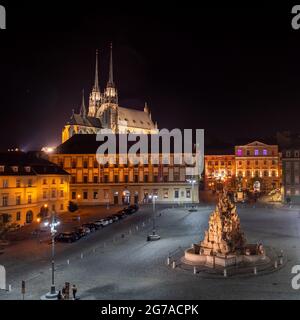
(118, 263)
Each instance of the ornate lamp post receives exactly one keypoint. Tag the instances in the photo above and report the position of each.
(154, 236)
(52, 295)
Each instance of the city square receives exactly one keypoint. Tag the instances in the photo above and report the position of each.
(107, 265)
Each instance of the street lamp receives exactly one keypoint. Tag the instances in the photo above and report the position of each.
(154, 236)
(192, 181)
(53, 223)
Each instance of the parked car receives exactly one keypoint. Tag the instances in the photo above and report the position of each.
(82, 231)
(92, 226)
(113, 218)
(134, 207)
(67, 237)
(119, 215)
(101, 223)
(109, 219)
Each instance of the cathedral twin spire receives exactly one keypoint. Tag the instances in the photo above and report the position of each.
(110, 93)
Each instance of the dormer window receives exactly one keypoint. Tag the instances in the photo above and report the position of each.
(27, 169)
(15, 169)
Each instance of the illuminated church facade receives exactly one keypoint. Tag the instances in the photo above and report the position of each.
(104, 112)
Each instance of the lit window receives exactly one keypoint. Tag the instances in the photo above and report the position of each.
(256, 153)
(265, 152)
(239, 152)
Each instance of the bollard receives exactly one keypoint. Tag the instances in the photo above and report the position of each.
(9, 288)
(168, 261)
(129, 231)
(68, 261)
(174, 264)
(195, 270)
(225, 273)
(137, 228)
(143, 225)
(281, 261)
(81, 256)
(255, 270)
(275, 264)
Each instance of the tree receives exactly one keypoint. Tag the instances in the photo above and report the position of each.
(72, 206)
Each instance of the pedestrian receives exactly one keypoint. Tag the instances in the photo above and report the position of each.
(63, 293)
(59, 296)
(74, 291)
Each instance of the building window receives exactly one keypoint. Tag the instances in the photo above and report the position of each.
(61, 207)
(61, 193)
(18, 200)
(155, 178)
(297, 154)
(248, 153)
(44, 181)
(85, 164)
(273, 173)
(256, 162)
(53, 181)
(265, 173)
(166, 178)
(126, 178)
(73, 179)
(136, 178)
(256, 152)
(176, 194)
(73, 164)
(166, 193)
(105, 178)
(85, 195)
(61, 180)
(95, 179)
(73, 195)
(18, 183)
(53, 193)
(44, 194)
(18, 216)
(5, 183)
(239, 152)
(29, 182)
(5, 201)
(96, 164)
(53, 207)
(116, 178)
(229, 163)
(95, 195)
(248, 163)
(29, 198)
(145, 178)
(265, 152)
(288, 153)
(188, 193)
(176, 176)
(85, 179)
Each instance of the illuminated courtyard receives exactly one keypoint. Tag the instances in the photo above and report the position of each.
(118, 263)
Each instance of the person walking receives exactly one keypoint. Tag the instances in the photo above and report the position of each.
(74, 291)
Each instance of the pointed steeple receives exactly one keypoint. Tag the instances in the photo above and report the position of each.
(82, 108)
(96, 84)
(111, 71)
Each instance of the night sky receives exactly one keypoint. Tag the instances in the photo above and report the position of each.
(234, 71)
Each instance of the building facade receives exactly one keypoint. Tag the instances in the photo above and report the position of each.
(29, 186)
(94, 183)
(104, 112)
(290, 175)
(254, 167)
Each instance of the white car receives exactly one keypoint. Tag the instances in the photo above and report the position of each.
(101, 222)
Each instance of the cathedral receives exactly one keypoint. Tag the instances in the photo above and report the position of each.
(104, 112)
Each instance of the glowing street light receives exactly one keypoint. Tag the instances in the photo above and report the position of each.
(192, 182)
(154, 236)
(53, 224)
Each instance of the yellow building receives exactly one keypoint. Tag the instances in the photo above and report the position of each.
(258, 166)
(92, 183)
(254, 167)
(29, 185)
